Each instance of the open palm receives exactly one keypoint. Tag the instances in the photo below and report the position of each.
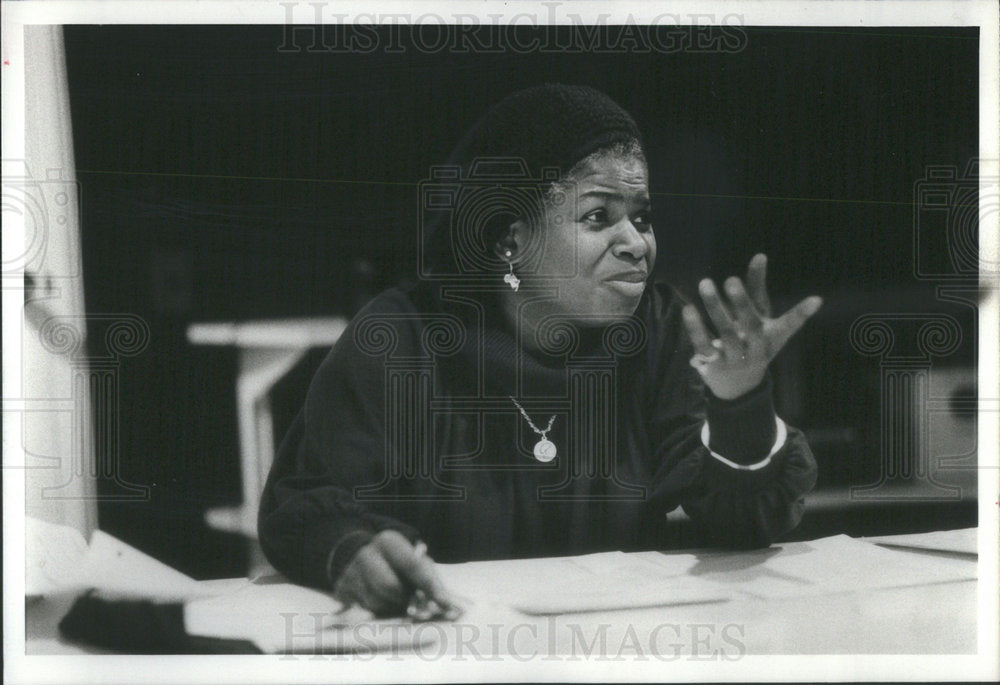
(749, 337)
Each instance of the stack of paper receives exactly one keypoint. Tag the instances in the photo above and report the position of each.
(277, 617)
(287, 618)
(59, 560)
(282, 617)
(593, 582)
(963, 541)
(818, 567)
(53, 557)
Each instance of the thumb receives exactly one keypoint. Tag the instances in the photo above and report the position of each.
(791, 321)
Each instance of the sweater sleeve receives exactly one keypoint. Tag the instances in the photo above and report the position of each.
(731, 506)
(311, 523)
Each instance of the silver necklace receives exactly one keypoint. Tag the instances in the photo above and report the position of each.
(545, 450)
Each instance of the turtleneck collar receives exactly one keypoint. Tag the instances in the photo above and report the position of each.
(512, 369)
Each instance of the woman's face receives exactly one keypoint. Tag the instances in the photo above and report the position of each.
(598, 246)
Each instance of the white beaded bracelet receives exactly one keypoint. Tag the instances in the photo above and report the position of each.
(779, 442)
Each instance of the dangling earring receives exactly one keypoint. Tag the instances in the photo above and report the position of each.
(509, 278)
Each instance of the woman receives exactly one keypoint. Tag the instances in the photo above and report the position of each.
(533, 394)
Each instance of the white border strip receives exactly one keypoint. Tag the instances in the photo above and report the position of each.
(760, 13)
(231, 669)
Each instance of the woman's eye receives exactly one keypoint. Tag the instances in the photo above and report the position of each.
(643, 222)
(601, 218)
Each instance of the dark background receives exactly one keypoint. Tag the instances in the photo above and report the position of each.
(225, 179)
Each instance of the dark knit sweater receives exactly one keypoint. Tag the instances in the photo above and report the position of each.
(443, 455)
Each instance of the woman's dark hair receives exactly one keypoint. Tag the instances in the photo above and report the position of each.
(509, 164)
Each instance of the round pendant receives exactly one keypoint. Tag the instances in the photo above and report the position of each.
(545, 451)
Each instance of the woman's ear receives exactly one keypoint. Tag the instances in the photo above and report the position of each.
(511, 240)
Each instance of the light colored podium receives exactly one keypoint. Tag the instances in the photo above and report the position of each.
(268, 350)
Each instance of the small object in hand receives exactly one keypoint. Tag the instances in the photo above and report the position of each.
(423, 609)
(699, 361)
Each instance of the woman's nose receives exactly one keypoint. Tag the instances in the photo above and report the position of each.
(630, 242)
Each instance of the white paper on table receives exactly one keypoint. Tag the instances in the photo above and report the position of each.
(283, 618)
(593, 582)
(115, 568)
(59, 560)
(818, 567)
(54, 557)
(277, 617)
(964, 541)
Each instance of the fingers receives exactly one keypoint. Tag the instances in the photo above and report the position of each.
(350, 588)
(383, 575)
(757, 284)
(746, 312)
(416, 569)
(700, 338)
(386, 591)
(791, 321)
(720, 317)
(369, 581)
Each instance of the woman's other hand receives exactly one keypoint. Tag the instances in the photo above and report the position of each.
(735, 363)
(383, 575)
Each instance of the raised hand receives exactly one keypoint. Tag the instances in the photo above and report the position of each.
(749, 338)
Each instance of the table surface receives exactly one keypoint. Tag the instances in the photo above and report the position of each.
(930, 618)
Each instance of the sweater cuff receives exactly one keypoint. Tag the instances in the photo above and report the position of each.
(743, 430)
(327, 549)
(336, 546)
(342, 553)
